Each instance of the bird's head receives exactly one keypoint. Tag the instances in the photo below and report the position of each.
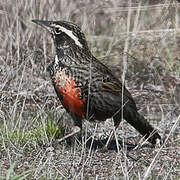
(64, 33)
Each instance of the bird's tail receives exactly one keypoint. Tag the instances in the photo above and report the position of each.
(141, 125)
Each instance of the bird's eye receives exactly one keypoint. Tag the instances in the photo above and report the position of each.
(57, 31)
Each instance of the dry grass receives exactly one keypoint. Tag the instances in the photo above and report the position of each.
(139, 41)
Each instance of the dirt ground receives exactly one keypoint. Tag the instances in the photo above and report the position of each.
(138, 38)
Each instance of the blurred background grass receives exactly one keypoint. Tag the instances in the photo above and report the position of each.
(139, 39)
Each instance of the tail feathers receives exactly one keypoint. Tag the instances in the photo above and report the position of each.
(142, 126)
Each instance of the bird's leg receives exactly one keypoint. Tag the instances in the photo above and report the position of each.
(117, 120)
(75, 130)
(105, 148)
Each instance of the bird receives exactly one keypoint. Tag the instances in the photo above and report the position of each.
(86, 87)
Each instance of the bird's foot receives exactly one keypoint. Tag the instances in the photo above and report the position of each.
(75, 130)
(103, 150)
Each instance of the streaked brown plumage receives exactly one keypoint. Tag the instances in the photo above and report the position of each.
(86, 87)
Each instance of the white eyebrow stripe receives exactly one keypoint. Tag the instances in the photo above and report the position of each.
(70, 34)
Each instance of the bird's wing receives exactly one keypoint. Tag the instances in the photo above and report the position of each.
(115, 87)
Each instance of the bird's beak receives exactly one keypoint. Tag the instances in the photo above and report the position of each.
(44, 24)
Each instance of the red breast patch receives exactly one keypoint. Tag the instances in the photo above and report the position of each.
(71, 94)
